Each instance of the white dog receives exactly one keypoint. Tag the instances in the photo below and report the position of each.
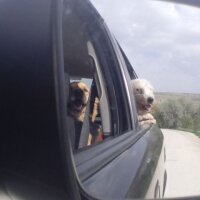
(144, 96)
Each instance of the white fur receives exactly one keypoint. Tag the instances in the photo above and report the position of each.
(144, 96)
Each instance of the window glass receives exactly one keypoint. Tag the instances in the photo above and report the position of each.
(87, 91)
(97, 99)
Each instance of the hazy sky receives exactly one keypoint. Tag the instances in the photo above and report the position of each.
(161, 40)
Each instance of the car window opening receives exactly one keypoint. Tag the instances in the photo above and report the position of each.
(85, 96)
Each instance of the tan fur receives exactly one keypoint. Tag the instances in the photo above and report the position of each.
(78, 114)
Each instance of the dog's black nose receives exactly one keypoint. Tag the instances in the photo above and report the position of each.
(150, 100)
(78, 92)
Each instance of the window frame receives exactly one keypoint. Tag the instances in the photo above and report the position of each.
(118, 74)
(90, 159)
(117, 79)
(117, 86)
(127, 73)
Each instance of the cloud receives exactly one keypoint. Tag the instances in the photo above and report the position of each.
(162, 40)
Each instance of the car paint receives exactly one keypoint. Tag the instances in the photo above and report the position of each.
(130, 175)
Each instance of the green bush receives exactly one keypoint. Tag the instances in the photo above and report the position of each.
(178, 113)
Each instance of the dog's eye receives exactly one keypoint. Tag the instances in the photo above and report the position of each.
(139, 90)
(85, 90)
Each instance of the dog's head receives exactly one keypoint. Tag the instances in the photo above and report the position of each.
(79, 93)
(144, 95)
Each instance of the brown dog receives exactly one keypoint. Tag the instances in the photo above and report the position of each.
(79, 94)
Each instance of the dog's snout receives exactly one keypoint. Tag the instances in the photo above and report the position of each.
(78, 92)
(150, 100)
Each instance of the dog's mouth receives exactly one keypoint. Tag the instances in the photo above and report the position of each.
(146, 107)
(78, 105)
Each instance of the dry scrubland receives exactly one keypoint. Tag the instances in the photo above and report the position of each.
(178, 111)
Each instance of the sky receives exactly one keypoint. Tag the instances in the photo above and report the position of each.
(161, 40)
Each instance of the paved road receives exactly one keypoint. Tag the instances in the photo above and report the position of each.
(182, 163)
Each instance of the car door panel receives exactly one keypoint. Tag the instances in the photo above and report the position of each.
(130, 173)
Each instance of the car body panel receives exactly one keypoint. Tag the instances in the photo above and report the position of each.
(129, 175)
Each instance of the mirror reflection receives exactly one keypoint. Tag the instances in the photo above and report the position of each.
(134, 98)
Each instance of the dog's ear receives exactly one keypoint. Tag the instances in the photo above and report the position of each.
(133, 83)
(135, 86)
